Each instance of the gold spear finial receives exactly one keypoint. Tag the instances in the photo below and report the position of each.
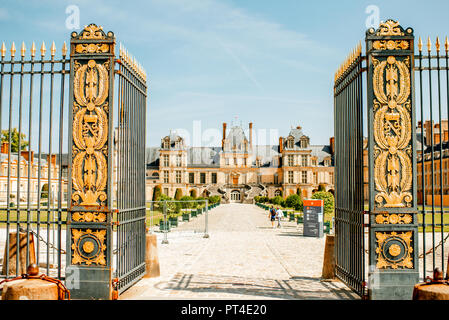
(53, 49)
(437, 44)
(3, 50)
(43, 49)
(446, 45)
(23, 49)
(420, 44)
(64, 49)
(13, 49)
(429, 44)
(33, 50)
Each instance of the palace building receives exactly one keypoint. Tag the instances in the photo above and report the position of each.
(237, 170)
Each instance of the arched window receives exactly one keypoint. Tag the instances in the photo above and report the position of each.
(235, 196)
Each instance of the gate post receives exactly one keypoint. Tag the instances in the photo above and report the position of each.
(393, 232)
(89, 216)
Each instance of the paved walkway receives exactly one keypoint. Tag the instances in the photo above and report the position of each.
(244, 258)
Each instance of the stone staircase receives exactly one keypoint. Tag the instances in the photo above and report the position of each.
(252, 191)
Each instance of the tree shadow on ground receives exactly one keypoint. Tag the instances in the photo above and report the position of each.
(295, 288)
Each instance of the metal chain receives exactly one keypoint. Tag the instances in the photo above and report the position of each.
(433, 248)
(49, 244)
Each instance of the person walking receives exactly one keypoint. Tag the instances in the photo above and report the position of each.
(272, 216)
(279, 216)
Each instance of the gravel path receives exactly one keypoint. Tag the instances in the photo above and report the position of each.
(244, 258)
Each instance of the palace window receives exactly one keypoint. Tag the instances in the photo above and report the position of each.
(290, 143)
(166, 180)
(178, 177)
(290, 177)
(166, 160)
(331, 178)
(178, 161)
(303, 176)
(304, 161)
(191, 177)
(214, 177)
(166, 144)
(315, 178)
(303, 143)
(166, 191)
(227, 161)
(276, 179)
(235, 162)
(202, 177)
(244, 162)
(290, 160)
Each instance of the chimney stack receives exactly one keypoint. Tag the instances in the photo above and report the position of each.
(27, 154)
(53, 159)
(332, 144)
(5, 147)
(224, 135)
(251, 135)
(281, 144)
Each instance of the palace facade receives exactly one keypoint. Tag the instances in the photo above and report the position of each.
(237, 170)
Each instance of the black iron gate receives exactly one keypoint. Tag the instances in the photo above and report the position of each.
(349, 211)
(81, 198)
(405, 164)
(131, 205)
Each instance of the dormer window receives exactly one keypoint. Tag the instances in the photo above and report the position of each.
(304, 143)
(290, 143)
(166, 144)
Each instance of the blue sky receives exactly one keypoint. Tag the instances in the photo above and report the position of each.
(267, 62)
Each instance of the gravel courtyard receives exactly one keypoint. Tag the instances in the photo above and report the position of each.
(244, 258)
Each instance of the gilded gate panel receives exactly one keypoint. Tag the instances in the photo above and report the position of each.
(392, 164)
(392, 132)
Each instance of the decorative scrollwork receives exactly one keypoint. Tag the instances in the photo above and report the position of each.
(90, 133)
(391, 45)
(88, 246)
(400, 218)
(389, 28)
(89, 216)
(392, 133)
(394, 250)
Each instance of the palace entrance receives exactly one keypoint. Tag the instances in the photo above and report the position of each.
(235, 196)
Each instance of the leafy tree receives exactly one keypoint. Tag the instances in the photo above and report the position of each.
(276, 200)
(214, 199)
(15, 139)
(294, 201)
(321, 187)
(328, 200)
(187, 205)
(156, 193)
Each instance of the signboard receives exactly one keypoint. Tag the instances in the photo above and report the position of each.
(313, 218)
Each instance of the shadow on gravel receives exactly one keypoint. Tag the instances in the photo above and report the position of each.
(295, 288)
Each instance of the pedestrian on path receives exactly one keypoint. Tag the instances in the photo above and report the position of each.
(279, 216)
(272, 216)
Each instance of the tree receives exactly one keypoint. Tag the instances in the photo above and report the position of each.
(276, 200)
(214, 199)
(178, 194)
(189, 203)
(321, 187)
(156, 193)
(328, 200)
(15, 139)
(193, 193)
(294, 201)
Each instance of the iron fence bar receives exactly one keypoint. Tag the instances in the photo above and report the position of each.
(441, 150)
(424, 195)
(432, 159)
(9, 165)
